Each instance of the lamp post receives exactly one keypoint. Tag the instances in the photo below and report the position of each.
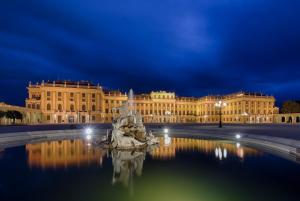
(220, 104)
(245, 114)
(168, 115)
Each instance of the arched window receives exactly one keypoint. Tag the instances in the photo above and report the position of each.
(93, 108)
(298, 119)
(282, 119)
(48, 106)
(83, 108)
(72, 108)
(59, 107)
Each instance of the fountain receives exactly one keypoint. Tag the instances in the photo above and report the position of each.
(128, 130)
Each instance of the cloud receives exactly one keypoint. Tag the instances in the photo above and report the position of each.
(191, 47)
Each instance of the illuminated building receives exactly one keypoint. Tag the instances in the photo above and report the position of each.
(83, 102)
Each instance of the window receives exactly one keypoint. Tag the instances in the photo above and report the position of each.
(48, 106)
(59, 107)
(93, 108)
(48, 117)
(59, 94)
(72, 108)
(93, 95)
(48, 95)
(83, 108)
(71, 96)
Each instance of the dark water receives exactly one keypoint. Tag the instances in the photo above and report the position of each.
(184, 170)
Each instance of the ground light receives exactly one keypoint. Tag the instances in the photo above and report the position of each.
(238, 136)
(166, 130)
(88, 133)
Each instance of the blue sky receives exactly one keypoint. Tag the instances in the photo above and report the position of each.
(192, 47)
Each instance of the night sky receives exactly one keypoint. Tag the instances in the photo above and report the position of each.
(192, 47)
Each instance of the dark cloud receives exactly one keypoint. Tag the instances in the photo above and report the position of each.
(193, 47)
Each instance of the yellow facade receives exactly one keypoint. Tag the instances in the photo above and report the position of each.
(83, 102)
(30, 116)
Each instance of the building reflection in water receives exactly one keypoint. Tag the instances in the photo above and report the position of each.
(2, 151)
(220, 149)
(72, 153)
(63, 154)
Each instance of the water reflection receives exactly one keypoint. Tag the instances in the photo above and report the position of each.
(63, 154)
(126, 164)
(78, 152)
(220, 149)
(190, 176)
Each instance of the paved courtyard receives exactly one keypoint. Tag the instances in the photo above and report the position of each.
(275, 130)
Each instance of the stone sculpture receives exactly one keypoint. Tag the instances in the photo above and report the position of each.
(128, 130)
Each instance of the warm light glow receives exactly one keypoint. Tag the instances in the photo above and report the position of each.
(220, 104)
(166, 130)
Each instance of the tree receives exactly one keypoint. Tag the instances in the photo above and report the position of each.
(290, 107)
(2, 114)
(13, 114)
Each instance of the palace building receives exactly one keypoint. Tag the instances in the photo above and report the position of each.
(84, 102)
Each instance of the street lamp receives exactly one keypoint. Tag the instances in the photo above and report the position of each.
(245, 114)
(220, 104)
(168, 115)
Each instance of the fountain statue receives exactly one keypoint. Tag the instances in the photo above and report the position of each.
(128, 130)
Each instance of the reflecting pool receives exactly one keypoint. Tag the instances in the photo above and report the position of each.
(182, 169)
